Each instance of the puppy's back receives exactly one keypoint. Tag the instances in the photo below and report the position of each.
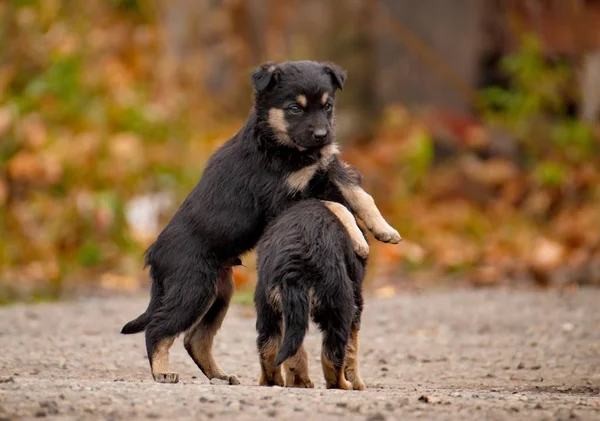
(307, 235)
(306, 266)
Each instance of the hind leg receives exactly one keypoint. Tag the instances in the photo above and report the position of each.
(351, 363)
(270, 374)
(332, 362)
(268, 326)
(181, 306)
(159, 362)
(335, 324)
(296, 370)
(351, 370)
(198, 341)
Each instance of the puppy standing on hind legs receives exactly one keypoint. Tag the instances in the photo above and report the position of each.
(307, 267)
(198, 338)
(285, 153)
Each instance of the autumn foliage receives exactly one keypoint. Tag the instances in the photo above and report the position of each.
(102, 135)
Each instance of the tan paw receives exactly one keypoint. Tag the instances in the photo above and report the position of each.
(387, 234)
(233, 380)
(361, 247)
(343, 384)
(358, 384)
(305, 383)
(169, 377)
(277, 380)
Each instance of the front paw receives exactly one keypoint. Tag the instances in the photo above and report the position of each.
(387, 234)
(361, 247)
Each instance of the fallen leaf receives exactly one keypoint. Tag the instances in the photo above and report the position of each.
(3, 192)
(387, 291)
(486, 275)
(119, 282)
(6, 118)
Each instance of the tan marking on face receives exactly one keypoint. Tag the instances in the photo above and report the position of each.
(271, 68)
(363, 205)
(279, 125)
(296, 370)
(351, 365)
(301, 100)
(160, 357)
(359, 243)
(298, 180)
(324, 98)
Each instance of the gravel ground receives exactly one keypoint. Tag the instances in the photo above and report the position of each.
(440, 355)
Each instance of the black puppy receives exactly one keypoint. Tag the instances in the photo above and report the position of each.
(307, 267)
(284, 153)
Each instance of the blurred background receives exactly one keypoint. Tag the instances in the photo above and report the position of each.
(474, 122)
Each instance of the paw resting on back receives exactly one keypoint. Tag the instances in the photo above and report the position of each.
(360, 247)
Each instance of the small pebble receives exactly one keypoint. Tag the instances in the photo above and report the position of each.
(376, 417)
(568, 327)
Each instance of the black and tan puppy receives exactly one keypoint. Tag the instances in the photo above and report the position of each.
(285, 153)
(307, 267)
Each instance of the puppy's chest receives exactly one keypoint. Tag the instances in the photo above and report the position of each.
(298, 181)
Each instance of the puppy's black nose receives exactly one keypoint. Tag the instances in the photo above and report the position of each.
(320, 135)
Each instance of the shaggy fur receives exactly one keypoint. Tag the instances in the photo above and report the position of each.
(285, 153)
(307, 267)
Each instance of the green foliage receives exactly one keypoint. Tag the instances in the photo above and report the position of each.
(550, 174)
(87, 130)
(534, 107)
(418, 158)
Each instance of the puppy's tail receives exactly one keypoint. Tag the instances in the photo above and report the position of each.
(296, 311)
(137, 325)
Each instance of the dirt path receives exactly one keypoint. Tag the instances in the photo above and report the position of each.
(476, 355)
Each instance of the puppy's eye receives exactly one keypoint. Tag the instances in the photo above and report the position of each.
(328, 107)
(295, 109)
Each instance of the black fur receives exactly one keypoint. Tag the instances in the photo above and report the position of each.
(242, 189)
(307, 253)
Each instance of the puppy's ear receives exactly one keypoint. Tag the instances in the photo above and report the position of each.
(264, 75)
(337, 74)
